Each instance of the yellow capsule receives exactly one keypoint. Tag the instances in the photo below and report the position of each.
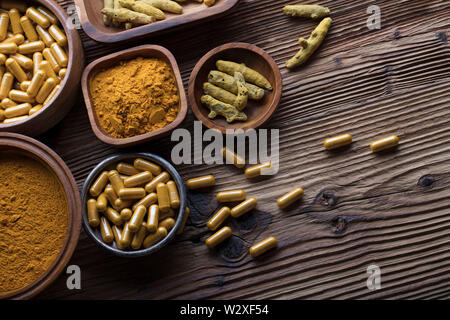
(35, 109)
(48, 55)
(138, 237)
(120, 204)
(153, 218)
(45, 36)
(2, 62)
(111, 195)
(24, 85)
(218, 219)
(52, 95)
(161, 178)
(8, 47)
(231, 196)
(92, 212)
(233, 158)
(37, 59)
(45, 90)
(163, 197)
(17, 111)
(183, 224)
(14, 19)
(154, 238)
(49, 15)
(384, 144)
(20, 96)
(16, 70)
(102, 202)
(25, 62)
(62, 74)
(36, 83)
(113, 216)
(115, 180)
(31, 47)
(13, 120)
(168, 223)
(173, 195)
(139, 179)
(18, 39)
(2, 115)
(4, 24)
(338, 141)
(168, 214)
(105, 229)
(255, 171)
(218, 237)
(60, 55)
(99, 184)
(8, 103)
(127, 236)
(125, 168)
(137, 218)
(201, 182)
(131, 193)
(244, 207)
(126, 214)
(28, 29)
(289, 198)
(37, 17)
(263, 246)
(45, 66)
(144, 165)
(6, 85)
(117, 232)
(147, 201)
(58, 35)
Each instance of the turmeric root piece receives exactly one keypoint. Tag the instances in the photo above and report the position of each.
(242, 96)
(166, 5)
(142, 7)
(228, 83)
(107, 4)
(308, 47)
(306, 11)
(230, 112)
(250, 75)
(210, 3)
(219, 93)
(126, 15)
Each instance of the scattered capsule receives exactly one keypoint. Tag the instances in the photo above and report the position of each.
(37, 17)
(233, 158)
(16, 70)
(139, 237)
(102, 202)
(219, 218)
(126, 214)
(163, 197)
(183, 224)
(154, 238)
(14, 19)
(36, 83)
(17, 111)
(126, 169)
(93, 217)
(161, 178)
(132, 193)
(147, 201)
(58, 35)
(231, 196)
(263, 246)
(115, 181)
(137, 218)
(139, 179)
(127, 235)
(289, 198)
(114, 216)
(144, 165)
(218, 237)
(201, 182)
(244, 207)
(153, 218)
(167, 223)
(31, 47)
(255, 171)
(384, 144)
(28, 29)
(338, 141)
(4, 23)
(173, 195)
(99, 184)
(105, 229)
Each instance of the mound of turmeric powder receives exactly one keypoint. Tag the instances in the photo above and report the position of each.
(135, 97)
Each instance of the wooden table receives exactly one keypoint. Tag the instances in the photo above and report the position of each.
(360, 209)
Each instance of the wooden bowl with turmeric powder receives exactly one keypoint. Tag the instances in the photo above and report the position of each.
(40, 216)
(134, 96)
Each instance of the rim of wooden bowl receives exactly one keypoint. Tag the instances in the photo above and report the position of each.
(33, 125)
(108, 162)
(37, 150)
(127, 54)
(260, 121)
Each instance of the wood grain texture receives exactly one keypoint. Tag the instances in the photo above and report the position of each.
(392, 210)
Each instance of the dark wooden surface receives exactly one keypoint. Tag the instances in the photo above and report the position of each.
(392, 210)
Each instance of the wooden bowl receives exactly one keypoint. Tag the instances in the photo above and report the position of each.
(110, 164)
(61, 104)
(150, 51)
(258, 112)
(92, 20)
(34, 149)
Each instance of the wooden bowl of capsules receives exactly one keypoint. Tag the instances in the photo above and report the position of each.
(41, 61)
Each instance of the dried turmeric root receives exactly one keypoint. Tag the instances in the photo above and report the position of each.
(219, 93)
(250, 75)
(107, 4)
(306, 11)
(125, 15)
(210, 3)
(310, 46)
(228, 83)
(166, 5)
(242, 96)
(142, 7)
(230, 112)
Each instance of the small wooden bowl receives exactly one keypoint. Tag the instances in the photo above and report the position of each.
(150, 51)
(61, 104)
(92, 20)
(34, 149)
(110, 164)
(258, 112)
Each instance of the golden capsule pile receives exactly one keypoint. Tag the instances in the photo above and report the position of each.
(33, 60)
(134, 205)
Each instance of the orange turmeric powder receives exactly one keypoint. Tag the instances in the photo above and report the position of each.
(135, 97)
(33, 220)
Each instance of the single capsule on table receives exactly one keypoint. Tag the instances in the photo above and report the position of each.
(255, 171)
(218, 237)
(231, 196)
(201, 182)
(232, 157)
(338, 142)
(263, 246)
(218, 219)
(244, 207)
(384, 144)
(290, 197)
